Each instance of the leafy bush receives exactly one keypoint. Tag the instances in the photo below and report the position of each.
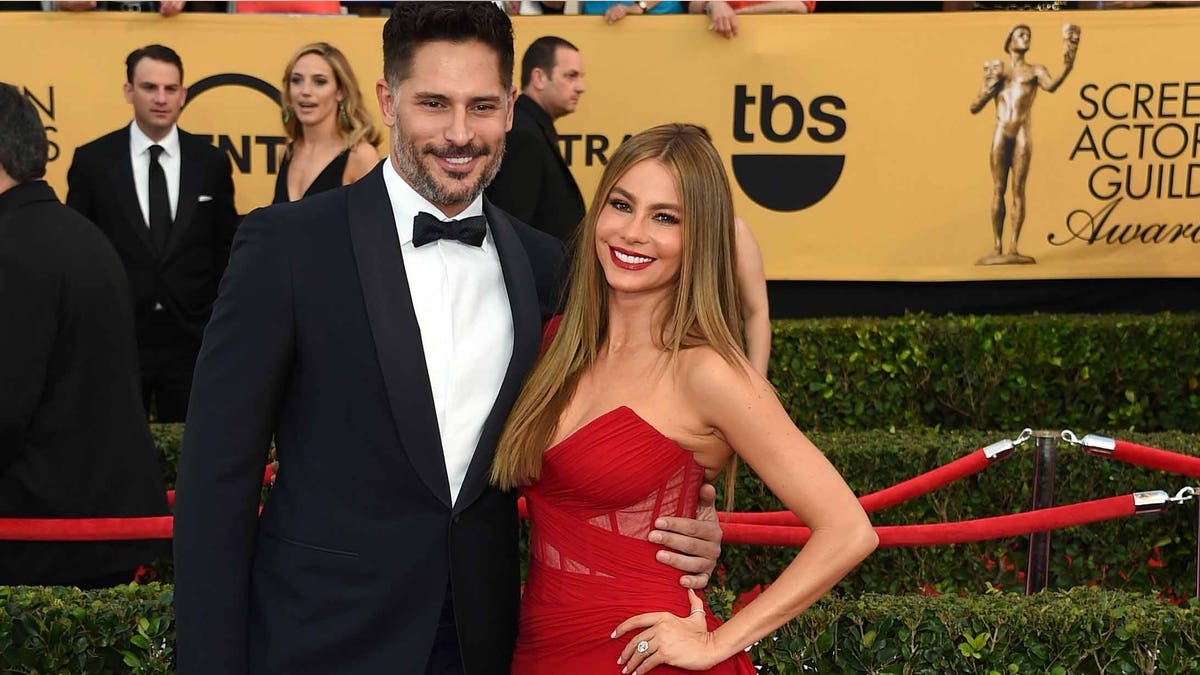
(55, 629)
(990, 372)
(130, 629)
(1077, 631)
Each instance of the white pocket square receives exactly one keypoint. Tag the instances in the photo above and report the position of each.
(205, 198)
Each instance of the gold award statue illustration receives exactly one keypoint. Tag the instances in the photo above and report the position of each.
(1014, 88)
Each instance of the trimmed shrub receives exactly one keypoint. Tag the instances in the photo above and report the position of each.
(1077, 631)
(130, 629)
(55, 629)
(990, 372)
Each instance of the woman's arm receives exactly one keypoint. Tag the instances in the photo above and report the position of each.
(752, 287)
(744, 411)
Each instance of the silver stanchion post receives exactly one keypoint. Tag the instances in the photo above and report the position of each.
(1037, 576)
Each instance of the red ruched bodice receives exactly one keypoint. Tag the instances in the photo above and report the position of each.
(592, 568)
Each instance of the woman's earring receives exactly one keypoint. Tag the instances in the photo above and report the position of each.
(287, 114)
(343, 119)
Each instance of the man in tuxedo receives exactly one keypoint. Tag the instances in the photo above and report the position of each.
(380, 333)
(164, 198)
(534, 184)
(73, 436)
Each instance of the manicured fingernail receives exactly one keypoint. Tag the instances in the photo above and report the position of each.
(655, 537)
(660, 524)
(614, 634)
(620, 660)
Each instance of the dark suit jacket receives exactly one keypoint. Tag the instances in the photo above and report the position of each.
(534, 183)
(184, 279)
(314, 342)
(73, 436)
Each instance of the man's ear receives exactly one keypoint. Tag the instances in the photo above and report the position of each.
(128, 89)
(539, 78)
(387, 103)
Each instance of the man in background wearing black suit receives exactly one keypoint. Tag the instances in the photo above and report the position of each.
(534, 183)
(73, 436)
(164, 198)
(379, 332)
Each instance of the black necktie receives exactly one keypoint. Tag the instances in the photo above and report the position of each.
(428, 228)
(160, 203)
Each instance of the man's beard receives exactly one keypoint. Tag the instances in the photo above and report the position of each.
(421, 179)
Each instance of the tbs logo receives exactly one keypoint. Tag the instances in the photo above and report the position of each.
(787, 182)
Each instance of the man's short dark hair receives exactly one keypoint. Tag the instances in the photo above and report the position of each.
(412, 24)
(23, 147)
(542, 54)
(156, 52)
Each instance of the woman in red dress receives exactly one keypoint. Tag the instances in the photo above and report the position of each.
(643, 393)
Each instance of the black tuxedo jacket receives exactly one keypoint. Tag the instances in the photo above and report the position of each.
(73, 436)
(534, 183)
(185, 277)
(313, 341)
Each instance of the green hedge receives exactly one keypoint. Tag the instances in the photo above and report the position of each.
(1077, 631)
(1155, 553)
(1118, 372)
(131, 629)
(127, 629)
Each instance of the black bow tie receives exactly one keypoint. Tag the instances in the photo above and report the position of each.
(427, 228)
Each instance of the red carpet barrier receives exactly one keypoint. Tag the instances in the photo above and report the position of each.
(101, 529)
(781, 528)
(876, 501)
(1138, 455)
(86, 529)
(937, 534)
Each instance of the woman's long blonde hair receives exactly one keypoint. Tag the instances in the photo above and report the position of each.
(358, 125)
(705, 309)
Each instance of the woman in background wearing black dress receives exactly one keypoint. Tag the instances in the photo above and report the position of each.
(331, 135)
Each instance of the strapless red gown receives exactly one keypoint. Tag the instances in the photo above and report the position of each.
(591, 567)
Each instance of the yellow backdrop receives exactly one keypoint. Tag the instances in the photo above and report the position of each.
(1112, 188)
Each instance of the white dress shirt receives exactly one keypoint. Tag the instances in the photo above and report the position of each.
(461, 304)
(139, 153)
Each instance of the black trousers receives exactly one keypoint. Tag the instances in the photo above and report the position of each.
(167, 356)
(446, 657)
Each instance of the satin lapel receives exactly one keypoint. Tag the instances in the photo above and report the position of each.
(527, 331)
(125, 191)
(191, 177)
(395, 330)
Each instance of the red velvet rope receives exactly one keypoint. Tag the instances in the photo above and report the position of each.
(1153, 458)
(86, 529)
(997, 527)
(901, 492)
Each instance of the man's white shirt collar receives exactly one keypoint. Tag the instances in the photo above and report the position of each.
(406, 204)
(139, 142)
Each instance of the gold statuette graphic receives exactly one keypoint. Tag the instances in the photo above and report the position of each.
(1014, 88)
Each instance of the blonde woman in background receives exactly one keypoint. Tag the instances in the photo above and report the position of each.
(331, 137)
